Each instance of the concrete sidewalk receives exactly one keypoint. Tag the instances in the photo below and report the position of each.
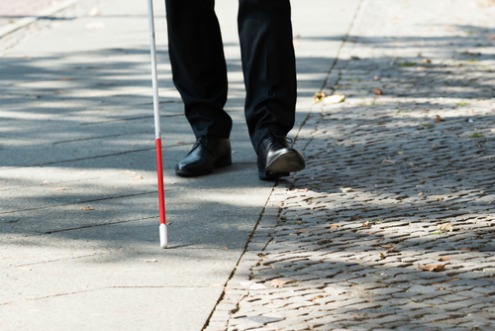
(78, 214)
(389, 227)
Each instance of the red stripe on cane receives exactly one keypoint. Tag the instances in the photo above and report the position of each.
(159, 172)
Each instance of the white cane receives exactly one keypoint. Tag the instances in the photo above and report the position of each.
(158, 139)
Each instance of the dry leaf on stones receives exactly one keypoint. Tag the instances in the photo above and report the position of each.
(390, 247)
(434, 267)
(378, 91)
(319, 96)
(334, 98)
(369, 223)
(447, 227)
(279, 283)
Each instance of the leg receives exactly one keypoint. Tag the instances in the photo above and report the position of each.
(200, 75)
(265, 32)
(268, 59)
(198, 65)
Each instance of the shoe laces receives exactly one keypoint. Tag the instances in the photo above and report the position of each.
(202, 140)
(283, 140)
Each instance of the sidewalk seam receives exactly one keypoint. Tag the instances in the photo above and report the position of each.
(326, 83)
(10, 28)
(230, 307)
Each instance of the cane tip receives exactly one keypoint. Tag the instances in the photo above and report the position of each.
(163, 236)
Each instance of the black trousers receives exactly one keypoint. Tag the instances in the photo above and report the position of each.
(268, 61)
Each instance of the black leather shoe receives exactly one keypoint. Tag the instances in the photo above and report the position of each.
(276, 159)
(207, 154)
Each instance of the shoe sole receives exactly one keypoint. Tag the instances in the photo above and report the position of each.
(223, 162)
(282, 166)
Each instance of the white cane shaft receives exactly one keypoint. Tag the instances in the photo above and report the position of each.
(154, 75)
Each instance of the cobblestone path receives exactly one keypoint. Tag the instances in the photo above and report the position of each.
(392, 224)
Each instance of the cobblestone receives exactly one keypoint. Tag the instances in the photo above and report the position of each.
(391, 225)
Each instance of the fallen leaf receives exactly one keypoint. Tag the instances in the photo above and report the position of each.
(388, 161)
(444, 259)
(390, 247)
(369, 223)
(87, 208)
(95, 11)
(378, 91)
(438, 119)
(279, 283)
(447, 227)
(334, 98)
(383, 255)
(432, 267)
(318, 297)
(319, 96)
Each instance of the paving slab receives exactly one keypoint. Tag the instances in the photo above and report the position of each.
(78, 213)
